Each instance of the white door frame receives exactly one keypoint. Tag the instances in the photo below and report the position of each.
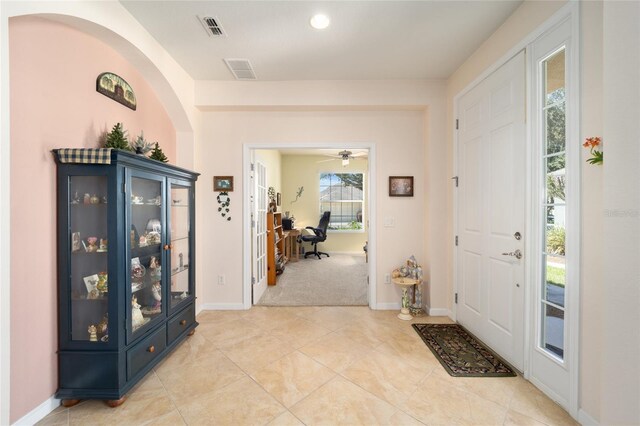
(246, 208)
(570, 11)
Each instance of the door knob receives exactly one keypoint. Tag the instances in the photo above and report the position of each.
(517, 254)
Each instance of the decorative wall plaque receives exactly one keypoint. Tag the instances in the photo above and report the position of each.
(115, 87)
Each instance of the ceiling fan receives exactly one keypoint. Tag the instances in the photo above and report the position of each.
(345, 156)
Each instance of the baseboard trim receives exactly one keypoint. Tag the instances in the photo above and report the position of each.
(393, 306)
(222, 307)
(438, 312)
(585, 419)
(38, 413)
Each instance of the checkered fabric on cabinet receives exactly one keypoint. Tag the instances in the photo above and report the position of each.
(84, 155)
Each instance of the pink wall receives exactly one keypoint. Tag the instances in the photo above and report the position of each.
(53, 70)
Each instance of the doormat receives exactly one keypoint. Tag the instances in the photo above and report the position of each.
(461, 354)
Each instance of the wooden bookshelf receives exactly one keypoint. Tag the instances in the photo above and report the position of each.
(275, 244)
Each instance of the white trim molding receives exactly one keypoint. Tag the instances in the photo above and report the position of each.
(391, 306)
(38, 413)
(439, 312)
(585, 419)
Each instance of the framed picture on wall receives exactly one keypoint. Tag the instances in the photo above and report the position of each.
(223, 183)
(400, 186)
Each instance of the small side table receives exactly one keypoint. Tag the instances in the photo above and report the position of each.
(405, 283)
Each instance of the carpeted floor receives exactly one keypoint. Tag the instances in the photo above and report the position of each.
(332, 281)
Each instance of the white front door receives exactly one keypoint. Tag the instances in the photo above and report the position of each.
(259, 214)
(491, 215)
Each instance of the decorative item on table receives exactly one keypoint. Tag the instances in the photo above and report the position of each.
(86, 199)
(400, 186)
(224, 201)
(597, 155)
(92, 244)
(102, 286)
(91, 283)
(223, 183)
(103, 245)
(411, 269)
(156, 292)
(75, 199)
(76, 241)
(93, 333)
(137, 270)
(94, 199)
(137, 199)
(137, 319)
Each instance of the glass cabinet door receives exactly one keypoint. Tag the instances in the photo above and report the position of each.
(180, 236)
(88, 245)
(146, 249)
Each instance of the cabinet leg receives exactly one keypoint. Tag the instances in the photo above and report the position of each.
(67, 403)
(192, 332)
(113, 403)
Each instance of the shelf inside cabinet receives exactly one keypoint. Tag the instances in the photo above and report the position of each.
(176, 271)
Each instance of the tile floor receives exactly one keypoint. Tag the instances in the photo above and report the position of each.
(309, 366)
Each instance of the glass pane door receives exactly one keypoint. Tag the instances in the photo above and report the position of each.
(553, 284)
(88, 246)
(180, 198)
(145, 240)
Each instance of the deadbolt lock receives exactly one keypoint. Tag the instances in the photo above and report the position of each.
(517, 236)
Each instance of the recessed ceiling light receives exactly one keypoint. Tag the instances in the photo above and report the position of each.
(320, 21)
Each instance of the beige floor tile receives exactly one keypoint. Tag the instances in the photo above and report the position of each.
(514, 418)
(299, 332)
(341, 402)
(198, 377)
(241, 403)
(174, 418)
(194, 348)
(360, 335)
(332, 317)
(416, 354)
(286, 419)
(385, 376)
(403, 419)
(336, 351)
(230, 333)
(531, 402)
(253, 354)
(380, 329)
(218, 317)
(292, 377)
(268, 318)
(58, 418)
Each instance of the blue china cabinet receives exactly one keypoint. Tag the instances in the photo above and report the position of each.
(126, 276)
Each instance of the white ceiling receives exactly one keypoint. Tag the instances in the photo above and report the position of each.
(367, 40)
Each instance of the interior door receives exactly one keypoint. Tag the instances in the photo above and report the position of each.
(259, 231)
(491, 216)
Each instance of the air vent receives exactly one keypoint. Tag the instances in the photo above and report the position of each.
(212, 27)
(241, 69)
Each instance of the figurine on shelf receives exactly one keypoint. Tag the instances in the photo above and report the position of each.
(93, 333)
(86, 199)
(75, 241)
(103, 245)
(156, 292)
(102, 283)
(76, 198)
(94, 199)
(92, 244)
(181, 260)
(103, 327)
(104, 199)
(155, 269)
(137, 320)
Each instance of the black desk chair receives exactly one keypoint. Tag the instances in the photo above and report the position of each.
(320, 234)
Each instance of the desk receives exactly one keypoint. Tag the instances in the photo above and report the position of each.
(291, 244)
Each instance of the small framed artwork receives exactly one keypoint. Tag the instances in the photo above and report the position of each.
(278, 199)
(223, 183)
(91, 282)
(400, 186)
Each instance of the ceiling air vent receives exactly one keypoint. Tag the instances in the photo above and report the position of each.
(212, 27)
(241, 69)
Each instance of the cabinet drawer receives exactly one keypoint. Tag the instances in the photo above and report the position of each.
(144, 352)
(180, 323)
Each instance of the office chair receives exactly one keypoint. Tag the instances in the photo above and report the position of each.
(320, 234)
